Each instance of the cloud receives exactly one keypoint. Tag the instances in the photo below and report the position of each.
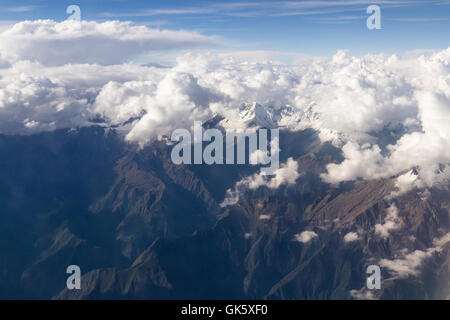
(112, 42)
(405, 183)
(363, 294)
(391, 222)
(441, 242)
(388, 114)
(31, 104)
(409, 264)
(178, 101)
(269, 8)
(286, 174)
(35, 98)
(412, 109)
(21, 9)
(359, 161)
(305, 236)
(351, 236)
(415, 20)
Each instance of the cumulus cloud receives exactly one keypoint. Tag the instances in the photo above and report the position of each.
(305, 236)
(112, 42)
(178, 101)
(35, 98)
(360, 161)
(388, 114)
(391, 222)
(408, 182)
(421, 108)
(286, 174)
(409, 264)
(35, 104)
(351, 236)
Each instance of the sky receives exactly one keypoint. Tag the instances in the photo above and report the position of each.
(317, 28)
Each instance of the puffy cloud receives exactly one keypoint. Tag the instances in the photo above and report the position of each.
(35, 98)
(360, 161)
(305, 236)
(389, 114)
(427, 150)
(405, 183)
(407, 265)
(391, 222)
(286, 174)
(33, 104)
(112, 42)
(351, 236)
(178, 101)
(425, 143)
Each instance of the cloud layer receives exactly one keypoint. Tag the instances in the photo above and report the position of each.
(389, 114)
(112, 42)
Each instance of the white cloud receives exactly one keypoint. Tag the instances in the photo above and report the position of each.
(179, 100)
(351, 236)
(305, 236)
(407, 182)
(286, 174)
(363, 294)
(31, 104)
(389, 114)
(391, 222)
(21, 8)
(359, 162)
(413, 94)
(35, 98)
(112, 42)
(409, 264)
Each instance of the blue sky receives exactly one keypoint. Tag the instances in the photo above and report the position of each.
(309, 27)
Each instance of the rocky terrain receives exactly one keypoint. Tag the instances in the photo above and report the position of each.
(141, 227)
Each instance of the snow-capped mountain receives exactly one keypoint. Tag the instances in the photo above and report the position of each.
(255, 115)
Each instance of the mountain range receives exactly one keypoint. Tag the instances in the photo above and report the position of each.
(141, 227)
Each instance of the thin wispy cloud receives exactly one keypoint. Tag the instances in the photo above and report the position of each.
(341, 19)
(418, 19)
(20, 9)
(273, 8)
